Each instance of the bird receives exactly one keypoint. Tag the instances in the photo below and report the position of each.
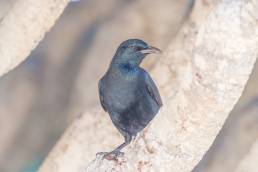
(128, 93)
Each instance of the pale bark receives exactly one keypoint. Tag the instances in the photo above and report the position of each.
(23, 26)
(201, 76)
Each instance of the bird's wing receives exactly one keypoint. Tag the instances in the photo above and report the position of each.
(152, 89)
(101, 98)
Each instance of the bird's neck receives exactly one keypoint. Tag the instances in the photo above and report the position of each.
(125, 69)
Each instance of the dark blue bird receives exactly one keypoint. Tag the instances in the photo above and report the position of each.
(127, 91)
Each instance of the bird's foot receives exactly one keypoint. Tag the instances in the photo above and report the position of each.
(134, 137)
(110, 155)
(101, 153)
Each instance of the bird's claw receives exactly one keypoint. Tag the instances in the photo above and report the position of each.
(101, 153)
(110, 155)
(118, 153)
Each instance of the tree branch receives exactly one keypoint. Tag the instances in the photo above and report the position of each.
(201, 76)
(23, 27)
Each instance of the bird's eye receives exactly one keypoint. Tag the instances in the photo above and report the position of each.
(138, 48)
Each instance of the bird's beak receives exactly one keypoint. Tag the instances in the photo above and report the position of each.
(151, 50)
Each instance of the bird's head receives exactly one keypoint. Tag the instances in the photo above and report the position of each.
(133, 51)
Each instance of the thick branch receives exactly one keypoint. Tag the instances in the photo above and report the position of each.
(23, 27)
(201, 76)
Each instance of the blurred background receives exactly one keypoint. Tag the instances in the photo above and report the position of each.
(40, 98)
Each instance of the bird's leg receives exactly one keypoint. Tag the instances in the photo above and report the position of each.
(116, 152)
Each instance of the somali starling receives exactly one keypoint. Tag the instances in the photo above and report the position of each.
(127, 92)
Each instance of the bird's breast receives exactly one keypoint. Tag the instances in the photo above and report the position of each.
(121, 94)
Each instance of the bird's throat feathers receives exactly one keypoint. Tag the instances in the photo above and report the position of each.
(126, 70)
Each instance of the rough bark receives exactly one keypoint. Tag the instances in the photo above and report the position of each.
(201, 76)
(23, 26)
